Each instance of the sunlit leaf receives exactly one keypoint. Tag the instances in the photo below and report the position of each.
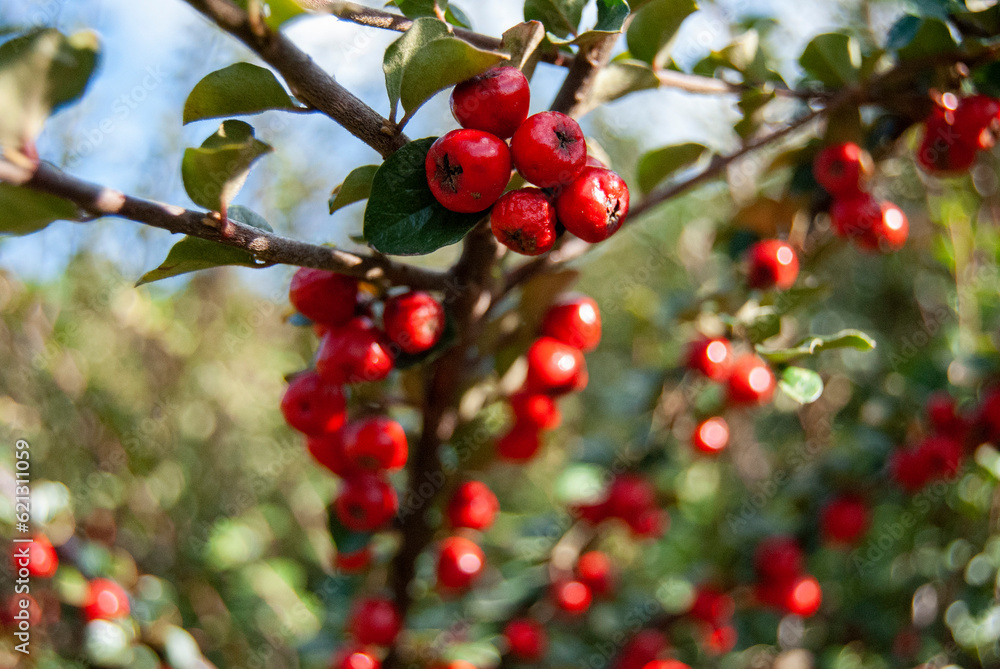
(240, 89)
(214, 173)
(355, 188)
(803, 385)
(23, 211)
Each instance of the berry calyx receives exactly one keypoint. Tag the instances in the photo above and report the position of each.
(354, 353)
(535, 409)
(575, 320)
(548, 149)
(841, 169)
(375, 622)
(375, 444)
(595, 570)
(554, 367)
(844, 520)
(712, 357)
(106, 600)
(366, 502)
(526, 639)
(325, 298)
(751, 381)
(473, 505)
(313, 405)
(711, 436)
(38, 557)
(773, 264)
(524, 220)
(495, 101)
(594, 205)
(467, 170)
(414, 320)
(460, 563)
(571, 596)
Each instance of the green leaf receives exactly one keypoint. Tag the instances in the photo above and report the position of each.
(654, 27)
(620, 78)
(914, 37)
(657, 165)
(611, 15)
(23, 211)
(214, 173)
(403, 50)
(987, 79)
(832, 59)
(40, 72)
(751, 104)
(560, 17)
(346, 541)
(402, 217)
(442, 63)
(814, 344)
(415, 9)
(803, 385)
(240, 89)
(192, 253)
(522, 43)
(763, 324)
(355, 188)
(457, 17)
(275, 12)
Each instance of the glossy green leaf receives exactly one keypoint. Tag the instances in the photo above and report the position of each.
(657, 165)
(620, 78)
(237, 90)
(654, 28)
(439, 64)
(854, 339)
(415, 9)
(915, 37)
(560, 17)
(355, 188)
(214, 173)
(803, 385)
(403, 50)
(402, 217)
(763, 324)
(833, 59)
(611, 15)
(275, 12)
(23, 211)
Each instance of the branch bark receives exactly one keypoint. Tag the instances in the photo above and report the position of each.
(573, 95)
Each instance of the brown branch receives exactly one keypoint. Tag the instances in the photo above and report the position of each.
(308, 81)
(265, 246)
(695, 83)
(572, 97)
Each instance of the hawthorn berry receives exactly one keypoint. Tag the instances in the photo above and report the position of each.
(354, 561)
(575, 320)
(803, 596)
(595, 570)
(460, 563)
(355, 658)
(711, 436)
(328, 450)
(524, 220)
(594, 205)
(325, 298)
(13, 611)
(519, 444)
(642, 649)
(354, 353)
(870, 224)
(943, 414)
(711, 357)
(650, 523)
(778, 559)
(842, 169)
(751, 381)
(844, 520)
(572, 596)
(554, 367)
(911, 468)
(977, 118)
(536, 410)
(374, 444)
(629, 496)
(944, 453)
(526, 639)
(773, 264)
(942, 148)
(313, 405)
(366, 502)
(721, 640)
(712, 606)
(38, 557)
(473, 505)
(106, 600)
(374, 621)
(495, 101)
(548, 149)
(666, 664)
(414, 321)
(987, 416)
(467, 170)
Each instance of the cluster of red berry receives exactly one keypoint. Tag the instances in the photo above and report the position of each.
(713, 609)
(469, 169)
(843, 170)
(472, 506)
(373, 622)
(631, 499)
(956, 130)
(782, 582)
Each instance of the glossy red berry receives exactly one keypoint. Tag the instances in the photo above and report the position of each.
(575, 320)
(354, 353)
(375, 444)
(712, 606)
(326, 298)
(374, 621)
(870, 224)
(778, 559)
(554, 367)
(912, 469)
(524, 220)
(721, 640)
(313, 405)
(520, 444)
(773, 264)
(711, 436)
(650, 523)
(106, 600)
(942, 413)
(526, 639)
(473, 505)
(844, 520)
(595, 570)
(414, 321)
(38, 557)
(366, 503)
(842, 169)
(977, 119)
(944, 453)
(594, 205)
(495, 101)
(666, 664)
(629, 496)
(712, 357)
(943, 148)
(328, 450)
(536, 410)
(549, 149)
(354, 561)
(641, 649)
(751, 381)
(803, 596)
(355, 658)
(460, 563)
(571, 596)
(467, 170)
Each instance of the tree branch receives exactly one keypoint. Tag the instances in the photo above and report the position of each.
(265, 246)
(572, 97)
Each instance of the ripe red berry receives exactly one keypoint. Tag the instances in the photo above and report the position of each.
(414, 321)
(106, 600)
(38, 557)
(313, 405)
(526, 639)
(366, 503)
(666, 664)
(328, 450)
(773, 264)
(911, 468)
(629, 496)
(575, 320)
(375, 444)
(594, 569)
(803, 596)
(549, 149)
(721, 640)
(844, 520)
(942, 413)
(841, 169)
(554, 367)
(524, 220)
(535, 409)
(711, 436)
(712, 606)
(642, 649)
(870, 224)
(778, 559)
(326, 298)
(943, 148)
(573, 597)
(460, 563)
(355, 658)
(374, 621)
(751, 381)
(467, 170)
(495, 101)
(20, 608)
(354, 561)
(977, 119)
(473, 505)
(594, 205)
(944, 453)
(711, 357)
(650, 523)
(519, 444)
(354, 353)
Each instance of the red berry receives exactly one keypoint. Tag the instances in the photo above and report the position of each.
(414, 321)
(778, 559)
(841, 169)
(549, 149)
(641, 649)
(773, 264)
(943, 148)
(354, 353)
(711, 436)
(942, 413)
(977, 118)
(524, 221)
(575, 320)
(375, 444)
(650, 523)
(473, 505)
(374, 621)
(467, 170)
(313, 405)
(751, 381)
(594, 205)
(911, 468)
(328, 450)
(844, 520)
(711, 357)
(721, 640)
(519, 444)
(106, 600)
(355, 658)
(592, 513)
(460, 563)
(987, 416)
(38, 557)
(536, 410)
(495, 101)
(355, 561)
(594, 569)
(943, 453)
(803, 596)
(870, 224)
(712, 606)
(18, 609)
(326, 298)
(573, 597)
(629, 496)
(554, 367)
(666, 664)
(366, 503)
(526, 639)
